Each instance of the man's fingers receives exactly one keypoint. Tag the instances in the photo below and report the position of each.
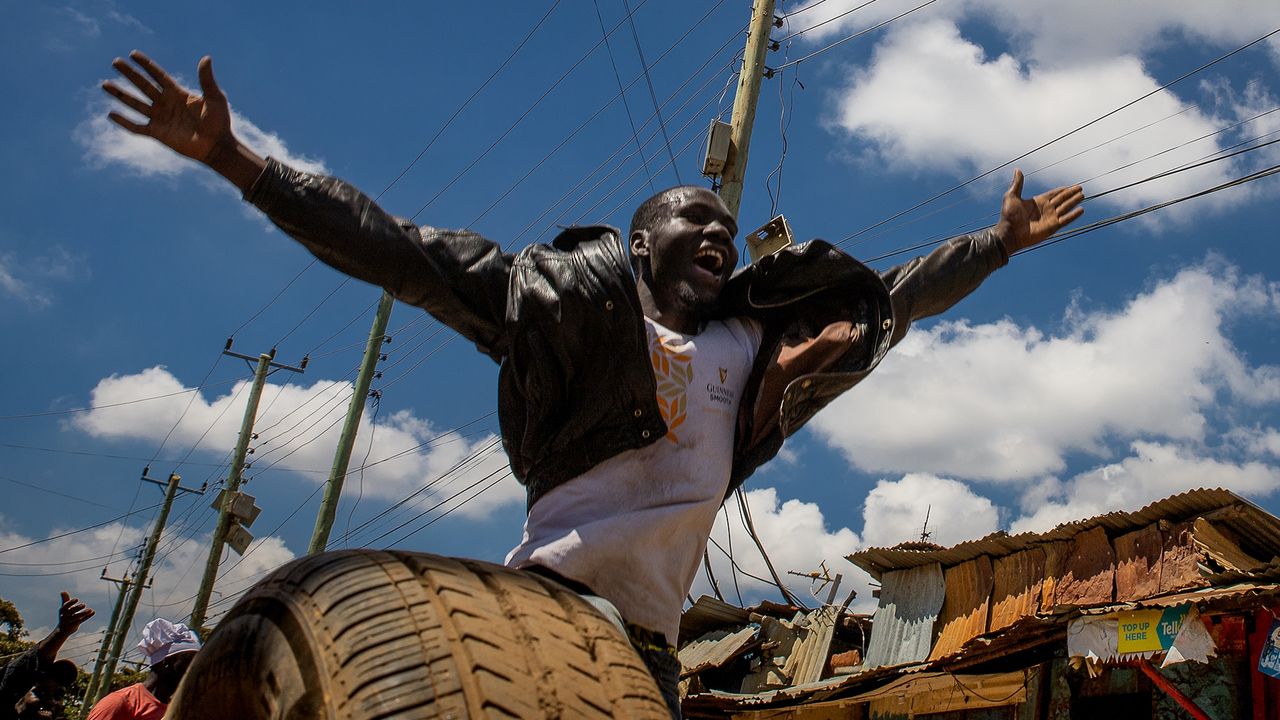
(128, 99)
(155, 71)
(1015, 188)
(147, 87)
(66, 597)
(208, 85)
(1071, 216)
(127, 124)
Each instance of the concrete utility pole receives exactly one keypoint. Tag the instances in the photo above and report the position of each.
(140, 579)
(227, 503)
(92, 693)
(744, 103)
(355, 410)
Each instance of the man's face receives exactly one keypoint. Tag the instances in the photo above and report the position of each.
(42, 702)
(690, 249)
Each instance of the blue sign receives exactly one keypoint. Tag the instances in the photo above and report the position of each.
(1269, 663)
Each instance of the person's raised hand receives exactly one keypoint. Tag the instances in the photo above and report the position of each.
(1027, 222)
(72, 614)
(198, 126)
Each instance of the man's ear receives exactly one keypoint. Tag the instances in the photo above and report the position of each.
(639, 243)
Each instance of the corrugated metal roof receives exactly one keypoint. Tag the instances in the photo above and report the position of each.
(902, 629)
(966, 608)
(715, 649)
(1258, 530)
(809, 658)
(1200, 597)
(709, 614)
(1015, 594)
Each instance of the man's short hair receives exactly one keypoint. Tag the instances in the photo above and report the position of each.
(652, 211)
(63, 673)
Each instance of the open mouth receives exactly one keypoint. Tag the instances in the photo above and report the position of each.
(712, 259)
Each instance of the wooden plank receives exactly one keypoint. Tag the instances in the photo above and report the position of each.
(1018, 585)
(1091, 571)
(1138, 562)
(966, 608)
(1221, 548)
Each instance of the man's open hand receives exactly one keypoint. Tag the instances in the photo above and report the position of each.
(72, 614)
(190, 124)
(1024, 223)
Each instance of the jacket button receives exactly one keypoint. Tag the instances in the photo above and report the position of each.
(608, 304)
(639, 412)
(644, 433)
(886, 324)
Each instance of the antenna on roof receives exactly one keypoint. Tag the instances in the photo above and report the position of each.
(924, 531)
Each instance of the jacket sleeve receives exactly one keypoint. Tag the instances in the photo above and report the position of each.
(458, 276)
(17, 677)
(931, 284)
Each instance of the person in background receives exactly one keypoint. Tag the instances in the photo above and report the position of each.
(33, 684)
(169, 648)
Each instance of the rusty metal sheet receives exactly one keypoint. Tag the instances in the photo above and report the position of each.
(1138, 563)
(966, 607)
(1258, 530)
(1091, 571)
(902, 629)
(1180, 560)
(715, 649)
(1056, 555)
(1019, 582)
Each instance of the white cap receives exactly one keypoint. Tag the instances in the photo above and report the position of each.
(161, 638)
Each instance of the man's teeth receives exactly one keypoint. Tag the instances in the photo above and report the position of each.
(716, 257)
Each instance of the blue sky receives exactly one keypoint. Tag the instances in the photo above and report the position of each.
(1100, 373)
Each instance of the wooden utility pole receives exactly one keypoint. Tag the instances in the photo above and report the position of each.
(228, 499)
(140, 579)
(355, 410)
(92, 693)
(744, 103)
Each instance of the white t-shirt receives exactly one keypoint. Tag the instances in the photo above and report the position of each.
(634, 527)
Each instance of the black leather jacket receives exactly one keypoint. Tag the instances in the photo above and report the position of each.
(575, 385)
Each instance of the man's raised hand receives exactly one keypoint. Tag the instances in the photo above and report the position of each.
(1027, 222)
(197, 126)
(71, 614)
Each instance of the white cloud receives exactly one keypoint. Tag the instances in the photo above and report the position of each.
(298, 428)
(176, 572)
(796, 536)
(1083, 30)
(27, 279)
(106, 144)
(1153, 471)
(1003, 402)
(963, 112)
(895, 511)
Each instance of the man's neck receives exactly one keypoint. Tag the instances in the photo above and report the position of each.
(667, 310)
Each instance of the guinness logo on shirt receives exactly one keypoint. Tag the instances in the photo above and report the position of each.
(724, 375)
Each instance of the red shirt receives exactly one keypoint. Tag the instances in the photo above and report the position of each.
(132, 703)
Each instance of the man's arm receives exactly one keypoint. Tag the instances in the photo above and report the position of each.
(24, 671)
(459, 277)
(931, 284)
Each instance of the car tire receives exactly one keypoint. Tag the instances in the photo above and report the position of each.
(366, 634)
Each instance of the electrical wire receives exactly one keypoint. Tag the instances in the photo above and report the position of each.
(1063, 136)
(860, 33)
(55, 492)
(653, 96)
(517, 122)
(824, 22)
(625, 104)
(83, 529)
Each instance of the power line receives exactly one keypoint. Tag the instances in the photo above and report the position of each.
(653, 96)
(1067, 134)
(824, 22)
(860, 33)
(55, 492)
(83, 529)
(518, 120)
(625, 104)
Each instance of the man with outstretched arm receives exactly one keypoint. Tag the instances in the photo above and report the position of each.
(33, 684)
(635, 391)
